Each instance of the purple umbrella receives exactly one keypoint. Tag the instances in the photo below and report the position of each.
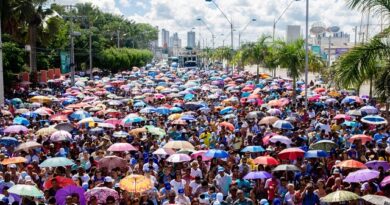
(361, 175)
(69, 190)
(101, 193)
(16, 129)
(258, 175)
(378, 163)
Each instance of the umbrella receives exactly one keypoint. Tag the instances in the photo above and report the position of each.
(269, 120)
(227, 125)
(135, 183)
(178, 144)
(355, 112)
(385, 181)
(351, 164)
(121, 147)
(253, 149)
(280, 138)
(136, 131)
(258, 175)
(163, 110)
(120, 134)
(16, 129)
(351, 123)
(8, 141)
(363, 138)
(61, 182)
(40, 99)
(342, 116)
(188, 118)
(155, 130)
(177, 158)
(226, 110)
(274, 111)
(371, 110)
(27, 145)
(14, 160)
(326, 145)
(283, 124)
(79, 115)
(46, 131)
(351, 99)
(340, 196)
(376, 199)
(378, 163)
(61, 136)
(164, 151)
(25, 190)
(106, 125)
(112, 162)
(316, 154)
(200, 153)
(266, 160)
(135, 119)
(56, 162)
(176, 109)
(216, 153)
(61, 194)
(286, 167)
(179, 122)
(147, 110)
(291, 153)
(374, 120)
(361, 176)
(101, 194)
(21, 121)
(64, 126)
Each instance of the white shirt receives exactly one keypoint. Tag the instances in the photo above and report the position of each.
(289, 198)
(178, 185)
(194, 186)
(196, 172)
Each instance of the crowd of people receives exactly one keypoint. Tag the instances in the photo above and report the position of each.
(165, 135)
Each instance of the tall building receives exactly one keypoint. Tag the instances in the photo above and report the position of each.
(293, 33)
(174, 41)
(164, 38)
(191, 39)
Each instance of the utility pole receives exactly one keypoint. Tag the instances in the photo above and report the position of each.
(355, 35)
(90, 55)
(1, 70)
(72, 63)
(330, 43)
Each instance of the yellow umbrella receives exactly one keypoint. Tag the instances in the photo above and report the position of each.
(334, 94)
(46, 131)
(136, 131)
(174, 116)
(14, 160)
(159, 88)
(40, 99)
(135, 183)
(179, 144)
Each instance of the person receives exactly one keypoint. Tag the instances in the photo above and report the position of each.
(309, 197)
(171, 198)
(178, 183)
(182, 199)
(242, 200)
(289, 197)
(223, 181)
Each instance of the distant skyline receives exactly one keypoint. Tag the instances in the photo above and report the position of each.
(180, 16)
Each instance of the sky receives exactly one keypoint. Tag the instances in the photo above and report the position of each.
(180, 16)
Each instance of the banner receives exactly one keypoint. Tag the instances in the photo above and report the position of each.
(316, 49)
(65, 62)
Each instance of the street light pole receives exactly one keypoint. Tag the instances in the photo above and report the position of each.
(230, 22)
(240, 33)
(306, 52)
(1, 70)
(277, 20)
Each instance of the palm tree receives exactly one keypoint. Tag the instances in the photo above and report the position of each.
(256, 53)
(292, 57)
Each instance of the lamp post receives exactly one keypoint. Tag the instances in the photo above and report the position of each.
(1, 70)
(240, 33)
(281, 15)
(208, 28)
(230, 22)
(306, 52)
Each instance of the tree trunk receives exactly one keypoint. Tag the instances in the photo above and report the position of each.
(257, 74)
(294, 91)
(32, 29)
(371, 85)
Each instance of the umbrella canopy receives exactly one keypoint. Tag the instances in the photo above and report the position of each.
(266, 160)
(64, 126)
(101, 194)
(135, 183)
(375, 164)
(8, 141)
(120, 134)
(40, 99)
(200, 153)
(27, 145)
(376, 199)
(258, 175)
(286, 167)
(227, 125)
(340, 196)
(216, 153)
(16, 129)
(326, 145)
(283, 124)
(291, 153)
(155, 130)
(371, 110)
(61, 182)
(111, 162)
(25, 190)
(61, 136)
(253, 149)
(361, 176)
(14, 160)
(281, 139)
(374, 120)
(316, 154)
(61, 194)
(121, 147)
(363, 138)
(46, 131)
(177, 158)
(56, 162)
(179, 144)
(385, 181)
(21, 121)
(351, 164)
(164, 151)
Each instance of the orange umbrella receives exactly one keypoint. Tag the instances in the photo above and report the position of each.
(291, 153)
(319, 90)
(227, 125)
(275, 103)
(269, 120)
(363, 138)
(136, 131)
(135, 183)
(14, 160)
(59, 117)
(266, 160)
(351, 164)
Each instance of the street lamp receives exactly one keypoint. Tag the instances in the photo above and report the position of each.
(240, 33)
(306, 52)
(277, 20)
(72, 61)
(208, 28)
(230, 22)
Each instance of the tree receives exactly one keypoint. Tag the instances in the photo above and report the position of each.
(117, 59)
(256, 53)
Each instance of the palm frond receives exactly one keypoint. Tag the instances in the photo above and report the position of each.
(378, 7)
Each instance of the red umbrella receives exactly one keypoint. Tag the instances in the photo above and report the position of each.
(363, 138)
(342, 116)
(266, 160)
(227, 125)
(351, 164)
(59, 117)
(61, 182)
(291, 153)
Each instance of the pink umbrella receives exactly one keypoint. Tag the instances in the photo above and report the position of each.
(16, 129)
(177, 158)
(101, 194)
(164, 151)
(385, 181)
(314, 98)
(159, 96)
(113, 121)
(342, 116)
(61, 135)
(111, 162)
(121, 147)
(200, 153)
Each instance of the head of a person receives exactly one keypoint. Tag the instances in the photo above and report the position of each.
(171, 195)
(75, 198)
(110, 200)
(221, 171)
(309, 188)
(291, 188)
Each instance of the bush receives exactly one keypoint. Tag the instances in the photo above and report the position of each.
(117, 59)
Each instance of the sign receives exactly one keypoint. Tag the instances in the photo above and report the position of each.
(316, 49)
(65, 62)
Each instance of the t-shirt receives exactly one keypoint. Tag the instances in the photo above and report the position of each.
(246, 201)
(194, 186)
(196, 172)
(178, 185)
(224, 183)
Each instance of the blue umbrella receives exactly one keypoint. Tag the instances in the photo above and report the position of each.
(253, 149)
(283, 124)
(216, 153)
(176, 109)
(139, 104)
(205, 109)
(316, 154)
(226, 110)
(148, 110)
(188, 118)
(374, 119)
(163, 110)
(189, 96)
(258, 175)
(21, 121)
(79, 115)
(8, 141)
(30, 114)
(69, 101)
(120, 134)
(96, 130)
(129, 120)
(351, 123)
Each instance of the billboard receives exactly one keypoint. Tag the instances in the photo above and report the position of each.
(65, 62)
(316, 49)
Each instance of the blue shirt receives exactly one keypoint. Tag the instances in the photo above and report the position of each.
(310, 199)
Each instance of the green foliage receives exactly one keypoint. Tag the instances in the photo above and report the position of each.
(124, 58)
(222, 53)
(13, 57)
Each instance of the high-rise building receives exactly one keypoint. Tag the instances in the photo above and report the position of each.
(164, 38)
(174, 41)
(191, 39)
(293, 33)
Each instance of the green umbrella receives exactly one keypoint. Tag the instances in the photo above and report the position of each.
(340, 196)
(376, 199)
(56, 162)
(16, 101)
(155, 130)
(25, 190)
(325, 145)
